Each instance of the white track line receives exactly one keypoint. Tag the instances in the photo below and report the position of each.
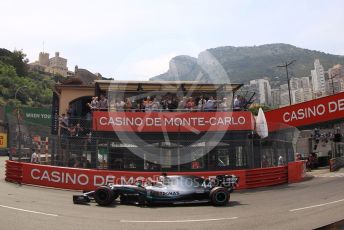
(24, 210)
(175, 221)
(315, 206)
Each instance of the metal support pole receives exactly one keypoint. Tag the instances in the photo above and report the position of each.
(286, 69)
(18, 122)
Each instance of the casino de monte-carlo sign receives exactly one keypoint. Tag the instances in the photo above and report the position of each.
(172, 121)
(320, 110)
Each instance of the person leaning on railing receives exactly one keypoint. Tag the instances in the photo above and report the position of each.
(127, 105)
(112, 105)
(103, 103)
(190, 104)
(172, 104)
(75, 130)
(210, 104)
(63, 124)
(155, 105)
(223, 106)
(94, 104)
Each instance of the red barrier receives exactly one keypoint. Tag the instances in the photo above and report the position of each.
(336, 163)
(296, 171)
(14, 172)
(266, 176)
(89, 179)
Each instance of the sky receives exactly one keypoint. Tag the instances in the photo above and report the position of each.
(135, 40)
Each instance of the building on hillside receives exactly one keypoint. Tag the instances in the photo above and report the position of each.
(334, 86)
(305, 83)
(336, 71)
(275, 97)
(335, 81)
(263, 90)
(58, 65)
(284, 101)
(295, 83)
(298, 96)
(307, 94)
(54, 66)
(318, 79)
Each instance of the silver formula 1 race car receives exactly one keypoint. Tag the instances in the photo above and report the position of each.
(168, 189)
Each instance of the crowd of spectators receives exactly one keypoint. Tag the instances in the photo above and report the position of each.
(167, 103)
(69, 127)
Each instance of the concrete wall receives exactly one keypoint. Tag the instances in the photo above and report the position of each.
(72, 93)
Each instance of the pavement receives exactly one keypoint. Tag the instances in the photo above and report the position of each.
(306, 205)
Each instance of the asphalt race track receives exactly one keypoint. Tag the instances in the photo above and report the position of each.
(307, 205)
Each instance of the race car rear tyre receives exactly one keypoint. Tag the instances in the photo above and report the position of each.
(219, 196)
(104, 196)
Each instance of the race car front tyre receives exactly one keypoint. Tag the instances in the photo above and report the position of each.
(104, 196)
(219, 196)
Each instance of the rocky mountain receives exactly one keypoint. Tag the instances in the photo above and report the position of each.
(241, 64)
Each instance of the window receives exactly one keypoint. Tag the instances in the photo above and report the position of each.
(222, 157)
(197, 160)
(240, 156)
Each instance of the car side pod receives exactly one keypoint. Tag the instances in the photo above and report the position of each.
(81, 199)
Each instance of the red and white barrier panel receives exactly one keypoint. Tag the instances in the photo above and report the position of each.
(89, 179)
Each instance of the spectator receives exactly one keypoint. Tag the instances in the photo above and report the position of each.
(155, 106)
(94, 105)
(65, 120)
(201, 103)
(112, 105)
(134, 105)
(70, 111)
(147, 104)
(190, 104)
(280, 160)
(75, 130)
(236, 104)
(127, 105)
(210, 104)
(140, 106)
(85, 163)
(120, 105)
(164, 103)
(172, 104)
(182, 103)
(34, 157)
(103, 103)
(265, 162)
(242, 102)
(64, 123)
(77, 164)
(147, 101)
(223, 106)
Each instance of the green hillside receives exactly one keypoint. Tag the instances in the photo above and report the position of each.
(241, 64)
(14, 73)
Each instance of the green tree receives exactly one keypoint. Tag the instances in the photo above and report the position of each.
(17, 59)
(255, 108)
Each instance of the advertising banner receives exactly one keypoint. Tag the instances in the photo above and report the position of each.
(172, 121)
(88, 179)
(311, 112)
(40, 116)
(3, 140)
